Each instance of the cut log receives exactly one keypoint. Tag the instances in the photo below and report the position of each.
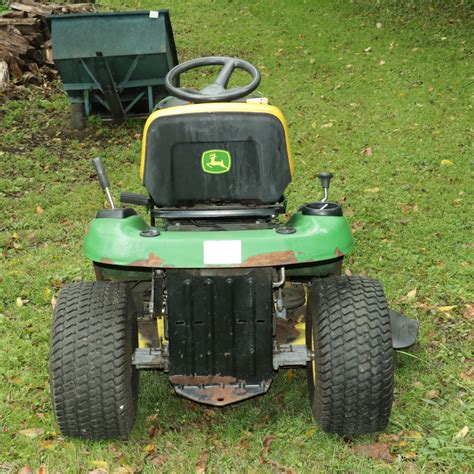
(4, 74)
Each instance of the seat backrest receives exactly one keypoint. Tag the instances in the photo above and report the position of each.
(216, 153)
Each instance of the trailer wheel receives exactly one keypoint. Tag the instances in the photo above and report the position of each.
(94, 386)
(350, 379)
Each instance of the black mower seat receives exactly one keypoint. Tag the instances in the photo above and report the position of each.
(216, 153)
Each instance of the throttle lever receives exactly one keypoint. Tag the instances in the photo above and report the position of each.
(103, 179)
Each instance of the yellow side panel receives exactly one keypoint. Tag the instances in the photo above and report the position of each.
(212, 108)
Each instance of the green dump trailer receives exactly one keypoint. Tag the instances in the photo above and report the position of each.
(113, 64)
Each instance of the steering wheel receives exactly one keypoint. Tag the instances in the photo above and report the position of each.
(216, 92)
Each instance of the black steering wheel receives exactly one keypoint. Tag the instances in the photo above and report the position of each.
(216, 92)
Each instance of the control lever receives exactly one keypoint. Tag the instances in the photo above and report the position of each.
(325, 178)
(103, 180)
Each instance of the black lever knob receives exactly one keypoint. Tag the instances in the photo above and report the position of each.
(101, 174)
(325, 178)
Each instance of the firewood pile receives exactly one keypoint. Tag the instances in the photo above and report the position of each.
(25, 40)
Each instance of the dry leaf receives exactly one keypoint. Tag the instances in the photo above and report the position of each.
(462, 433)
(19, 302)
(367, 152)
(469, 311)
(411, 295)
(101, 464)
(447, 163)
(201, 465)
(124, 470)
(412, 434)
(445, 309)
(372, 190)
(99, 470)
(266, 443)
(32, 432)
(39, 210)
(25, 470)
(468, 374)
(376, 451)
(158, 460)
(367, 50)
(327, 125)
(431, 394)
(46, 444)
(290, 374)
(54, 301)
(149, 448)
(378, 25)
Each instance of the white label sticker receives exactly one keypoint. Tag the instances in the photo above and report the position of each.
(220, 252)
(154, 14)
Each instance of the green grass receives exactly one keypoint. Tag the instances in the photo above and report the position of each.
(408, 98)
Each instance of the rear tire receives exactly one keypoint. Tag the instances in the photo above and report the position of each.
(350, 380)
(94, 386)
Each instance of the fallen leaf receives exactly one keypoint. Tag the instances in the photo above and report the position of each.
(124, 470)
(54, 301)
(158, 460)
(244, 443)
(378, 25)
(431, 394)
(99, 470)
(412, 434)
(266, 443)
(469, 374)
(25, 470)
(39, 210)
(445, 309)
(356, 226)
(19, 302)
(381, 62)
(462, 433)
(149, 448)
(327, 125)
(409, 455)
(101, 464)
(372, 190)
(310, 432)
(376, 451)
(367, 152)
(290, 374)
(32, 432)
(447, 163)
(367, 50)
(46, 444)
(389, 438)
(201, 465)
(411, 295)
(469, 311)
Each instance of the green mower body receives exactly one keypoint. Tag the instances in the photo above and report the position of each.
(217, 286)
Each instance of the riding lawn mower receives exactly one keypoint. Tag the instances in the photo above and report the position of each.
(220, 289)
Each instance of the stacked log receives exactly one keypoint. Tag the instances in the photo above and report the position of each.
(25, 40)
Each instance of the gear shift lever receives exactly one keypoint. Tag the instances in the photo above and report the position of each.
(325, 178)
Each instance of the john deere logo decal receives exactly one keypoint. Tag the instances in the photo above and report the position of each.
(216, 161)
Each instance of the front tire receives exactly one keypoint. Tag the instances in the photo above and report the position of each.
(350, 380)
(94, 386)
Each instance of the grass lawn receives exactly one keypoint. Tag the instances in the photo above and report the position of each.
(381, 94)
